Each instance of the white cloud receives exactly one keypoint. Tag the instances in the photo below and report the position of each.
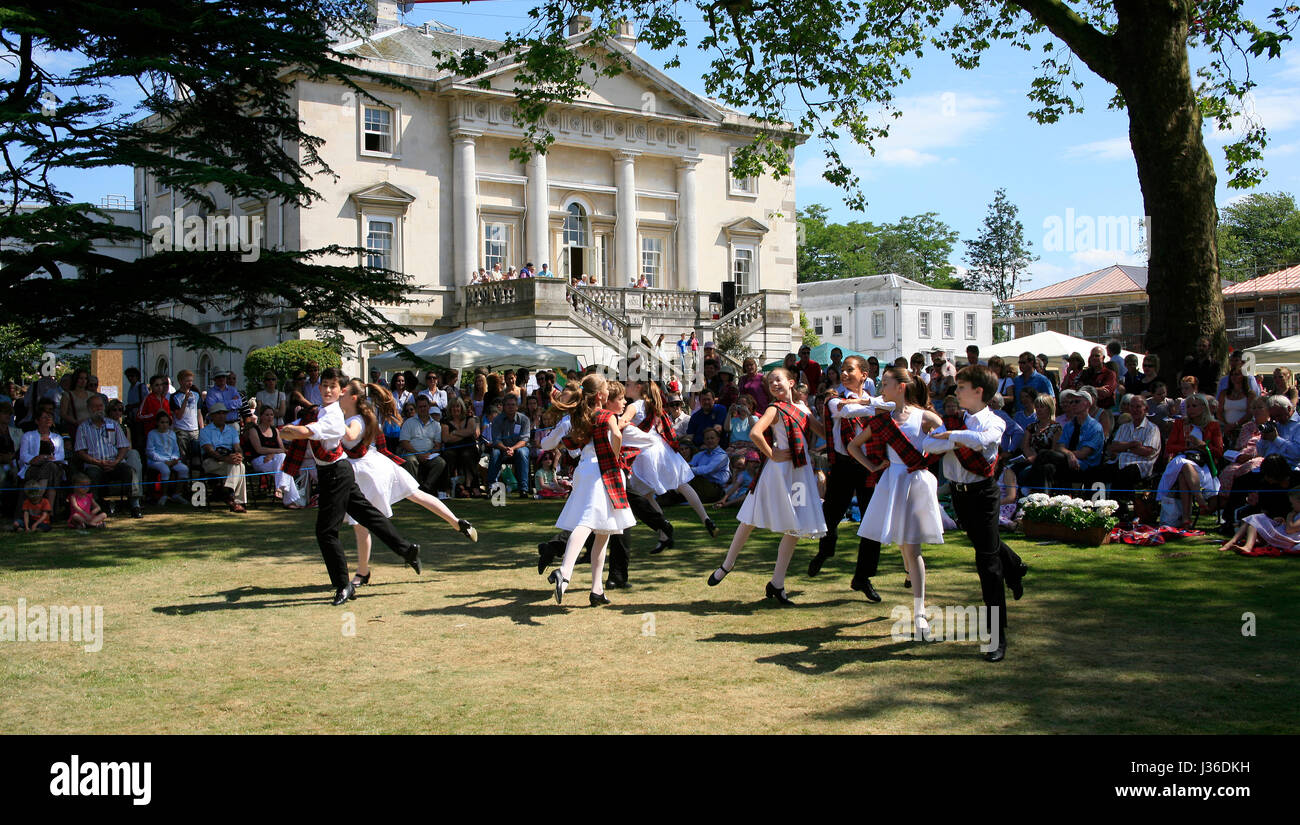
(942, 120)
(905, 157)
(1110, 149)
(1090, 259)
(1276, 112)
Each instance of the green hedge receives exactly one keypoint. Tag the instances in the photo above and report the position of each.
(285, 359)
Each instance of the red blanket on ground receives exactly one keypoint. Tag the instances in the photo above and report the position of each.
(1149, 535)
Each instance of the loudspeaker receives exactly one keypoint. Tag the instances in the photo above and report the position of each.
(728, 297)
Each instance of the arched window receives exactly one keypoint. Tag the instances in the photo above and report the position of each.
(204, 372)
(576, 226)
(162, 367)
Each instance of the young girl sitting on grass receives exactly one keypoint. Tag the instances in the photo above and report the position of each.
(85, 510)
(1283, 534)
(549, 485)
(743, 472)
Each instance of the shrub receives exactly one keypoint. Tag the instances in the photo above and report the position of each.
(285, 359)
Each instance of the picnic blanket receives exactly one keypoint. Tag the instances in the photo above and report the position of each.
(1148, 535)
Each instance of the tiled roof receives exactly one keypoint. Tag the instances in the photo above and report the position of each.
(1284, 280)
(1110, 280)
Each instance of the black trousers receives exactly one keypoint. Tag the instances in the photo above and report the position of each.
(618, 557)
(977, 513)
(1051, 471)
(98, 475)
(340, 496)
(847, 479)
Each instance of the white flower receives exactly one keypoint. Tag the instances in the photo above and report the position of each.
(1059, 500)
(1037, 498)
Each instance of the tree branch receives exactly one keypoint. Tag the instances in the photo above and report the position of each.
(1092, 46)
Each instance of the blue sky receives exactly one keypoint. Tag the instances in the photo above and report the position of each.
(963, 134)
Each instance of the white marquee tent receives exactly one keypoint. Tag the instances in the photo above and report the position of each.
(471, 348)
(1052, 344)
(1284, 352)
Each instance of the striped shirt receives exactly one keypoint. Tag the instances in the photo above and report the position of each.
(101, 442)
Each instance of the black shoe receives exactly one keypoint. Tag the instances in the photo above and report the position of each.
(598, 599)
(468, 529)
(559, 581)
(715, 579)
(544, 557)
(663, 545)
(615, 584)
(907, 582)
(343, 594)
(815, 566)
(136, 512)
(358, 579)
(779, 595)
(413, 558)
(864, 587)
(998, 653)
(711, 527)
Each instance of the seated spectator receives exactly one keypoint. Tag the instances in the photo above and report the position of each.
(1117, 363)
(1074, 366)
(712, 469)
(1187, 387)
(1101, 377)
(222, 393)
(1247, 459)
(1102, 414)
(266, 446)
(710, 416)
(437, 396)
(738, 423)
(460, 434)
(1264, 491)
(510, 432)
(1149, 375)
(401, 394)
(1136, 446)
(222, 457)
(101, 446)
(1195, 451)
(1012, 434)
(1031, 378)
(163, 453)
(548, 484)
(10, 437)
(75, 404)
(1284, 384)
(728, 391)
(421, 437)
(44, 388)
(84, 511)
(1009, 496)
(40, 455)
(1039, 436)
(37, 510)
(1077, 449)
(1132, 380)
(1160, 407)
(744, 470)
(1025, 418)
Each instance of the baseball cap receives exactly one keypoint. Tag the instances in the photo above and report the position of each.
(217, 407)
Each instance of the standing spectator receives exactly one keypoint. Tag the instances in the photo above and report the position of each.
(752, 382)
(10, 438)
(973, 357)
(222, 456)
(677, 415)
(437, 397)
(1150, 374)
(1236, 362)
(400, 392)
(187, 419)
(1074, 367)
(135, 392)
(297, 400)
(311, 389)
(945, 369)
(1202, 365)
(102, 445)
(545, 271)
(728, 392)
(154, 403)
(1115, 361)
(510, 432)
(808, 368)
(451, 384)
(1234, 402)
(512, 385)
(1132, 380)
(44, 387)
(74, 406)
(163, 453)
(115, 411)
(222, 393)
(1284, 384)
(1031, 378)
(683, 346)
(271, 396)
(422, 436)
(377, 378)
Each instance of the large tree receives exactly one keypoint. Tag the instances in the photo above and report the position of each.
(917, 247)
(1000, 256)
(828, 65)
(1259, 234)
(212, 115)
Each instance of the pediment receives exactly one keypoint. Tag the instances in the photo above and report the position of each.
(745, 228)
(383, 194)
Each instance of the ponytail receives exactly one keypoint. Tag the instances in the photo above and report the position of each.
(582, 407)
(653, 399)
(385, 406)
(370, 421)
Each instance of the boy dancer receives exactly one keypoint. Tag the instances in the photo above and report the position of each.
(339, 494)
(971, 456)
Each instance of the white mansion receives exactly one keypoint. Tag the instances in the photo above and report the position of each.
(636, 183)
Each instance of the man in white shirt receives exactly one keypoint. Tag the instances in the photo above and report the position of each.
(969, 463)
(422, 436)
(338, 491)
(1137, 445)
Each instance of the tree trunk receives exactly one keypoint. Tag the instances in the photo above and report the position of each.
(1177, 179)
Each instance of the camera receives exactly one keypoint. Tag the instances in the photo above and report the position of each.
(1267, 428)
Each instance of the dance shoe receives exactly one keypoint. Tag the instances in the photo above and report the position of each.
(468, 529)
(864, 587)
(663, 545)
(413, 558)
(711, 527)
(998, 653)
(815, 566)
(779, 595)
(343, 594)
(715, 579)
(358, 579)
(559, 581)
(598, 599)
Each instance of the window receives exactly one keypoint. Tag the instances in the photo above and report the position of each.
(1040, 326)
(1112, 325)
(496, 247)
(1245, 322)
(838, 325)
(877, 325)
(652, 259)
(740, 186)
(379, 243)
(923, 329)
(970, 326)
(602, 260)
(575, 226)
(377, 130)
(1076, 327)
(947, 325)
(742, 270)
(162, 367)
(1290, 320)
(203, 378)
(817, 327)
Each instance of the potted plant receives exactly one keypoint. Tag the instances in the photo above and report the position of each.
(1066, 519)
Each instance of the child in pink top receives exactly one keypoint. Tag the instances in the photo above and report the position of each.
(85, 510)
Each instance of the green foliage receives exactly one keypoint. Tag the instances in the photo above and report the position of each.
(1000, 256)
(916, 247)
(286, 358)
(214, 117)
(1258, 234)
(19, 355)
(727, 342)
(810, 338)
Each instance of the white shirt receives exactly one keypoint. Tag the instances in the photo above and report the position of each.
(423, 438)
(1148, 434)
(329, 429)
(555, 436)
(437, 397)
(841, 409)
(983, 432)
(30, 447)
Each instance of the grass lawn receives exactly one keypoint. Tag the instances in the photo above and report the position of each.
(219, 623)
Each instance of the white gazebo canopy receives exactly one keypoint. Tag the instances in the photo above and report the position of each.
(471, 348)
(1052, 344)
(1284, 352)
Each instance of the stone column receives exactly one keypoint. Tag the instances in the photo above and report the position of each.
(538, 246)
(688, 273)
(465, 205)
(625, 217)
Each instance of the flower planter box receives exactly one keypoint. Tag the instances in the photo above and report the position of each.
(1088, 536)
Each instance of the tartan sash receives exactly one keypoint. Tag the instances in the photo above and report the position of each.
(296, 450)
(883, 424)
(795, 421)
(849, 429)
(972, 460)
(611, 465)
(380, 446)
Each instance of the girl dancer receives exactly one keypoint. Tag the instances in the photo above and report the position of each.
(785, 498)
(598, 503)
(904, 509)
(659, 467)
(379, 475)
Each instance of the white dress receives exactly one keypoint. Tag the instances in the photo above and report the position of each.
(588, 505)
(785, 499)
(658, 466)
(1208, 483)
(381, 481)
(904, 509)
